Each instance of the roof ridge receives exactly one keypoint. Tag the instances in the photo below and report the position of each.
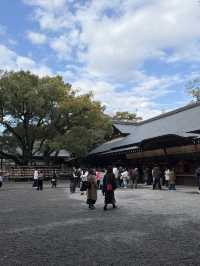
(123, 122)
(178, 110)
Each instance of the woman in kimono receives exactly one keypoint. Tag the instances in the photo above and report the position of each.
(92, 189)
(109, 186)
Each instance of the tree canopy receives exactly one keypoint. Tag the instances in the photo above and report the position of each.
(45, 115)
(126, 116)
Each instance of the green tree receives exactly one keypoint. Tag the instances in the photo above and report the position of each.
(193, 88)
(126, 116)
(44, 115)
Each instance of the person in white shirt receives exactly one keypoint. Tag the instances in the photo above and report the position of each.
(125, 177)
(115, 171)
(167, 177)
(116, 174)
(35, 178)
(84, 176)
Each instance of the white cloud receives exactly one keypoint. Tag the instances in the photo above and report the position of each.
(9, 60)
(61, 46)
(189, 53)
(36, 37)
(65, 44)
(141, 97)
(119, 36)
(52, 15)
(51, 21)
(119, 45)
(112, 40)
(47, 4)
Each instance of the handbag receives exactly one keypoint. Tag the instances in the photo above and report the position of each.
(109, 187)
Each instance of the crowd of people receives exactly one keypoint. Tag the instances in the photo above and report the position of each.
(89, 181)
(38, 178)
(107, 180)
(129, 177)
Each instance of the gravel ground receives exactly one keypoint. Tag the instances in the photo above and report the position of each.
(54, 227)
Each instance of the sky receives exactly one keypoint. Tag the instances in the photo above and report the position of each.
(134, 55)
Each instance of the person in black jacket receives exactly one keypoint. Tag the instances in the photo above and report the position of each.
(109, 186)
(40, 180)
(156, 173)
(54, 179)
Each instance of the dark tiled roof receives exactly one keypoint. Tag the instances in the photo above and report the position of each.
(122, 149)
(179, 122)
(125, 129)
(107, 146)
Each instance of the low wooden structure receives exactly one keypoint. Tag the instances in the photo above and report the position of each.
(25, 173)
(172, 139)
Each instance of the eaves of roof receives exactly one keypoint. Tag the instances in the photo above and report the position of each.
(178, 122)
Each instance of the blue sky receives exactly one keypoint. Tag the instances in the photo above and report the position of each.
(133, 54)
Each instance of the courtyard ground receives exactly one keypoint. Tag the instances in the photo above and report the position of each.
(54, 227)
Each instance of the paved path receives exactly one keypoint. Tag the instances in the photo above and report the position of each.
(53, 227)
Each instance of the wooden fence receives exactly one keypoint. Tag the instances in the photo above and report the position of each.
(26, 173)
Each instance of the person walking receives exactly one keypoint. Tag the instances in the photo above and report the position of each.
(136, 175)
(40, 180)
(172, 179)
(35, 178)
(84, 176)
(131, 176)
(167, 177)
(120, 178)
(74, 180)
(92, 189)
(98, 177)
(146, 175)
(125, 178)
(116, 174)
(79, 171)
(109, 186)
(156, 173)
(54, 180)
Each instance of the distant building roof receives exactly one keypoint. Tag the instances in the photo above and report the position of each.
(61, 153)
(180, 122)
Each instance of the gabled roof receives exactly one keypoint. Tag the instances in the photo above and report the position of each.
(180, 122)
(124, 128)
